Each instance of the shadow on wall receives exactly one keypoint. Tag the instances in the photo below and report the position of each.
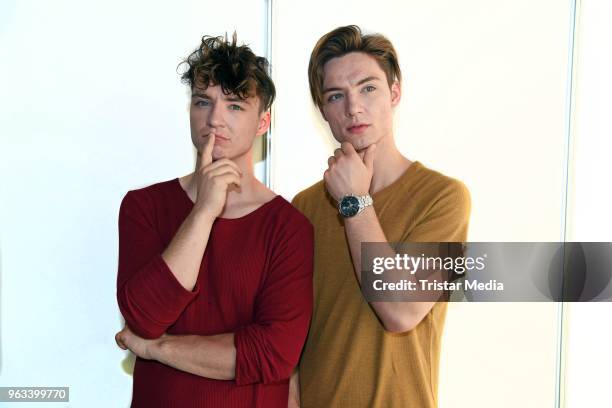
(260, 153)
(127, 364)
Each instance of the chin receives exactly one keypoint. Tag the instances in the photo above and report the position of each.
(218, 156)
(218, 153)
(360, 143)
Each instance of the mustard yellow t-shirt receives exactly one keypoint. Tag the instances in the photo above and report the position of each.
(349, 359)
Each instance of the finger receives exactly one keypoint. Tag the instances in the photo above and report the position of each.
(206, 157)
(228, 179)
(221, 163)
(222, 170)
(347, 148)
(338, 153)
(331, 161)
(368, 157)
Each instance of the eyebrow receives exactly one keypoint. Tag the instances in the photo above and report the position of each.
(363, 81)
(199, 95)
(227, 98)
(237, 99)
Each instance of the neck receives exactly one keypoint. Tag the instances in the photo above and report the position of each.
(389, 165)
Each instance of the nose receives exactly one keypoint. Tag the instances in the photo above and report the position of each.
(353, 105)
(215, 118)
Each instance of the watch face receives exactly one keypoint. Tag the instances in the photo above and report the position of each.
(349, 206)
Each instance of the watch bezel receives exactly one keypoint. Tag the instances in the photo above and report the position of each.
(363, 201)
(355, 201)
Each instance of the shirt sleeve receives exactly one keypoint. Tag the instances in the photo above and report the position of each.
(448, 218)
(268, 350)
(150, 297)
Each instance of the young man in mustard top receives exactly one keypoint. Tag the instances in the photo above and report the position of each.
(360, 353)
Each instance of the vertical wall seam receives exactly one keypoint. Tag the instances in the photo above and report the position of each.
(268, 148)
(569, 110)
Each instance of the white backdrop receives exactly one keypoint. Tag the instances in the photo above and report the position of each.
(589, 325)
(91, 106)
(484, 92)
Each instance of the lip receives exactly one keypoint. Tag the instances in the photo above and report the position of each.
(220, 138)
(357, 128)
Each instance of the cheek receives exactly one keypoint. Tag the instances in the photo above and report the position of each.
(195, 133)
(382, 110)
(196, 120)
(334, 119)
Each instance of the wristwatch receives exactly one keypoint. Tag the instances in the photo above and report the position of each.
(350, 205)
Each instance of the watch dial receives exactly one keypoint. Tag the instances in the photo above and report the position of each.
(349, 206)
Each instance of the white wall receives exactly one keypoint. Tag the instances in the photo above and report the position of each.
(588, 356)
(483, 100)
(91, 107)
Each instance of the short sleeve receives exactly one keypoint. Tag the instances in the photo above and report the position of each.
(447, 219)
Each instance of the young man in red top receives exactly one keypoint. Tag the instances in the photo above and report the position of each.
(215, 270)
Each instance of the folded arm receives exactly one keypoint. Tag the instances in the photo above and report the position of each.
(155, 284)
(446, 221)
(264, 351)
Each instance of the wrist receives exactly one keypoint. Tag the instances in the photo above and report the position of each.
(361, 216)
(156, 348)
(203, 215)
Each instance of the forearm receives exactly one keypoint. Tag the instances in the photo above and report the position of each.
(156, 281)
(207, 356)
(184, 253)
(395, 316)
(294, 390)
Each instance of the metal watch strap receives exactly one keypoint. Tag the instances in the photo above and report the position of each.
(364, 202)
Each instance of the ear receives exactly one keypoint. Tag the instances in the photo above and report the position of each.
(396, 93)
(264, 123)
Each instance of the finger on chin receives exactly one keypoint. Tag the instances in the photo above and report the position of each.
(347, 148)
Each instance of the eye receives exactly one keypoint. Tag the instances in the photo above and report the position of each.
(202, 102)
(235, 107)
(369, 88)
(334, 97)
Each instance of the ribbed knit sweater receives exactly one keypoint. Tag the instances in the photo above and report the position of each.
(255, 280)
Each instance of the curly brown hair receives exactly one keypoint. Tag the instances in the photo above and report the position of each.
(344, 40)
(217, 61)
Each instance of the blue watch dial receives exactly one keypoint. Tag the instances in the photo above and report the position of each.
(349, 206)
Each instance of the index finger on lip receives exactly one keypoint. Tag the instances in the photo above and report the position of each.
(207, 151)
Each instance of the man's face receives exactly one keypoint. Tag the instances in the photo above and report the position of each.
(235, 122)
(357, 101)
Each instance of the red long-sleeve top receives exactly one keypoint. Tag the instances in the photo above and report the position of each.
(255, 280)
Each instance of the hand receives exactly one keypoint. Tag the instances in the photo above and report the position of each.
(349, 172)
(126, 339)
(213, 180)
